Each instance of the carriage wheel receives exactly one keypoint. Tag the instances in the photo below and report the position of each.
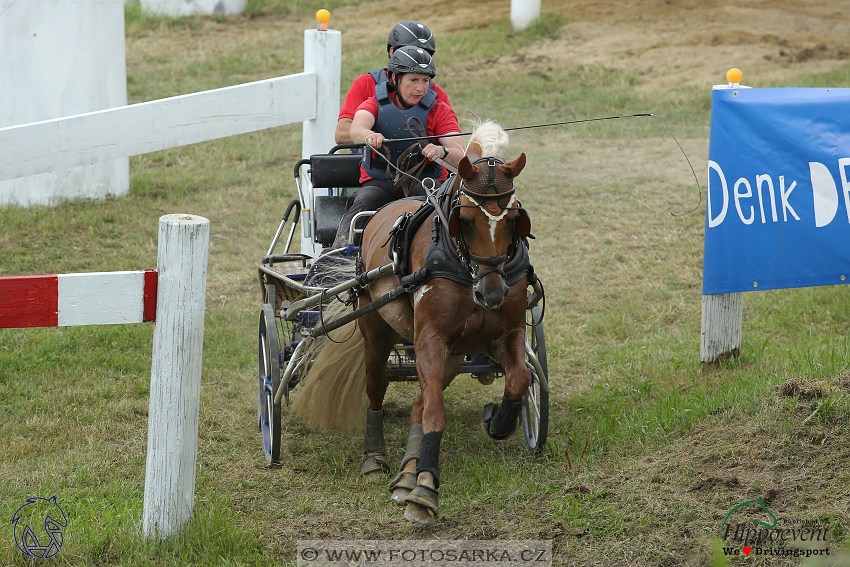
(268, 356)
(535, 406)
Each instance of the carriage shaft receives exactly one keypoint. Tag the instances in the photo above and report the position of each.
(362, 279)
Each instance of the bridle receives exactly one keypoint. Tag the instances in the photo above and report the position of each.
(452, 224)
(470, 261)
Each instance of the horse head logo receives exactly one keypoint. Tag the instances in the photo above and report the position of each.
(45, 515)
(772, 518)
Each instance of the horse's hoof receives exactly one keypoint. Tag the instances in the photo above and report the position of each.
(419, 514)
(488, 415)
(422, 505)
(375, 466)
(399, 494)
(402, 485)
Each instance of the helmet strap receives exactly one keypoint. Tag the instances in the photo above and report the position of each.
(394, 80)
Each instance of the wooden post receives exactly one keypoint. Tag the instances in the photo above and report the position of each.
(722, 318)
(523, 12)
(176, 374)
(322, 56)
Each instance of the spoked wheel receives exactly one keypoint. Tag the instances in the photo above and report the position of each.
(535, 406)
(268, 356)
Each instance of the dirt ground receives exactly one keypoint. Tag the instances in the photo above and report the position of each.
(680, 42)
(691, 42)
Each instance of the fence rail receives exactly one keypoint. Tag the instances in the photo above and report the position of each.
(29, 149)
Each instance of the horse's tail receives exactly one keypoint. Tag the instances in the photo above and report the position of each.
(490, 137)
(332, 394)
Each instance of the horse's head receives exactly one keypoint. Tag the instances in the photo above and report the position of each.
(487, 221)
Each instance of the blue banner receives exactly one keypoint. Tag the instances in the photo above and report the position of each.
(778, 192)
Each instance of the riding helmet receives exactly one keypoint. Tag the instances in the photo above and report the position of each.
(411, 32)
(410, 59)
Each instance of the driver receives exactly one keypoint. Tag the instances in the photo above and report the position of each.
(408, 32)
(406, 94)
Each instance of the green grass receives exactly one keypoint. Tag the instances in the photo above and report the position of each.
(643, 423)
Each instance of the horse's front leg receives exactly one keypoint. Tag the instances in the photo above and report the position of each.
(406, 479)
(500, 421)
(436, 369)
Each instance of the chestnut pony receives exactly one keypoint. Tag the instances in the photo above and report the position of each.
(446, 320)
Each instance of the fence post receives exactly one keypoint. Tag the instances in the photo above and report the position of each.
(523, 12)
(322, 56)
(722, 319)
(176, 373)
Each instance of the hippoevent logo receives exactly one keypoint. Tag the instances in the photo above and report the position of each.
(38, 527)
(750, 528)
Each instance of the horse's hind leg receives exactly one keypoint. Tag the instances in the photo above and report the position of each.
(379, 339)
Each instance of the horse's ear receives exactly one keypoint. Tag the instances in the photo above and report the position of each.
(523, 223)
(466, 169)
(513, 168)
(473, 150)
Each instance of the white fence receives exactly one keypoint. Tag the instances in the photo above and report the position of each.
(311, 97)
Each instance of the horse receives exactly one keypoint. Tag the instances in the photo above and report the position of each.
(483, 312)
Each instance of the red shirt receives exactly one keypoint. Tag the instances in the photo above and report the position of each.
(442, 120)
(364, 86)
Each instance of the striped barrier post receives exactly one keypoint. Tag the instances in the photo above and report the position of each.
(173, 296)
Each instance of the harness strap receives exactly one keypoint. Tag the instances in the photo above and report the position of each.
(368, 308)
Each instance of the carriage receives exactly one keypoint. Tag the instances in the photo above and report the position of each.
(296, 298)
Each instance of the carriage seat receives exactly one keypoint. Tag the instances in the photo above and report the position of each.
(326, 171)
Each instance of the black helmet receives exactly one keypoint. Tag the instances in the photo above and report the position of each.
(411, 32)
(410, 59)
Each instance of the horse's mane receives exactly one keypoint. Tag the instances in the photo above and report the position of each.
(491, 137)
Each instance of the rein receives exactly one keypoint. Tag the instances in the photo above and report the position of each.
(567, 122)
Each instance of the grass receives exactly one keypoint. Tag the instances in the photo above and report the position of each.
(660, 448)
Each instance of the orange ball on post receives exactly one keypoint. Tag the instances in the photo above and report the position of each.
(734, 75)
(323, 17)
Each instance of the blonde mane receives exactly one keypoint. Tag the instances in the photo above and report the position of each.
(492, 139)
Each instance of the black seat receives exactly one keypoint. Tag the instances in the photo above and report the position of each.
(327, 214)
(326, 171)
(335, 170)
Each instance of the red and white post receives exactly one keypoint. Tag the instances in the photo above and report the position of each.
(173, 295)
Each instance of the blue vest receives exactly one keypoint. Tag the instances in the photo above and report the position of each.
(379, 76)
(391, 123)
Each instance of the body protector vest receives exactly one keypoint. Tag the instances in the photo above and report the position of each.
(392, 123)
(379, 76)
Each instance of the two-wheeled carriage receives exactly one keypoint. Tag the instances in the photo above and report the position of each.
(295, 297)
